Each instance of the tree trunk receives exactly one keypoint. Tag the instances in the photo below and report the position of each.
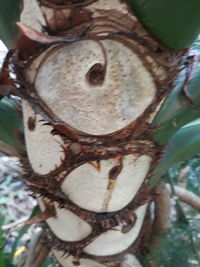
(91, 89)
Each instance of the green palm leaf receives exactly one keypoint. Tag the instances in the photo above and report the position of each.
(176, 23)
(179, 109)
(183, 145)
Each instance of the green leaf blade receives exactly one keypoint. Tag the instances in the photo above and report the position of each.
(11, 124)
(183, 145)
(9, 14)
(176, 23)
(177, 109)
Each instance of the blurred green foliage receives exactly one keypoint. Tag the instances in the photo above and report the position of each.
(181, 243)
(9, 14)
(11, 125)
(5, 258)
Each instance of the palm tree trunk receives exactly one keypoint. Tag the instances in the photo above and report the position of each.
(91, 89)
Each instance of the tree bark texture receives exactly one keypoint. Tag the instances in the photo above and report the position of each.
(92, 80)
